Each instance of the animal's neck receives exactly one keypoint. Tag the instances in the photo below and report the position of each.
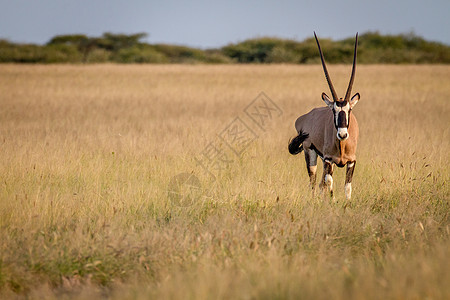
(340, 146)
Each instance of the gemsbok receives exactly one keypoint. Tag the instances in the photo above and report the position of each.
(329, 132)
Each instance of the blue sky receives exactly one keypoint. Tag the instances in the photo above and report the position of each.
(209, 24)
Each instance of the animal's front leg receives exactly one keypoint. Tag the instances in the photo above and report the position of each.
(348, 179)
(327, 180)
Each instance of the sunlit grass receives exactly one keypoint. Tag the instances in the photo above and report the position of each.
(88, 153)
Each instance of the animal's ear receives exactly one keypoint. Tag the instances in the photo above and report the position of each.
(354, 100)
(327, 100)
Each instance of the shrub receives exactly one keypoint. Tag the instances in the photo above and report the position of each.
(140, 54)
(121, 48)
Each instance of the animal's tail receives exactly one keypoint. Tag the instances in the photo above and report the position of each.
(295, 145)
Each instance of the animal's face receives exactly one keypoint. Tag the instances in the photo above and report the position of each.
(341, 107)
(341, 110)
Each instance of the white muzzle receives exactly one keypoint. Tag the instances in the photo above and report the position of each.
(342, 134)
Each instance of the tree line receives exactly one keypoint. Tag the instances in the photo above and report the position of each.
(373, 48)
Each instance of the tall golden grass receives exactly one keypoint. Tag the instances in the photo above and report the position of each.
(87, 154)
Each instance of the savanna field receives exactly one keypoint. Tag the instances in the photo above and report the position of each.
(90, 206)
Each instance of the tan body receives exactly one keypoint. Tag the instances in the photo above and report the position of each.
(319, 126)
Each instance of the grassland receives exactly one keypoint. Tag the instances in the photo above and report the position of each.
(87, 154)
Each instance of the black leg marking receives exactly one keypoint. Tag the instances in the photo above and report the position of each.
(316, 150)
(327, 178)
(349, 173)
(348, 179)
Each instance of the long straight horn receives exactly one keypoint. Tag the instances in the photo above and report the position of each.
(352, 77)
(327, 76)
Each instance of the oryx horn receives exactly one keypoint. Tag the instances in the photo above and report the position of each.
(352, 77)
(327, 76)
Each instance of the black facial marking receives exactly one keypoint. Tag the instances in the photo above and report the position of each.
(342, 120)
(341, 103)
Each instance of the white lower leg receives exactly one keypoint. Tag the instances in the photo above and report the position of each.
(312, 176)
(329, 182)
(348, 190)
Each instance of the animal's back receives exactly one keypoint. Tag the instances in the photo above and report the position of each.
(314, 122)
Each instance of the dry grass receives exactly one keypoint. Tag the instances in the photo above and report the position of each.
(87, 153)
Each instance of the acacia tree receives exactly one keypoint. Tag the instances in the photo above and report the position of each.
(83, 43)
(115, 42)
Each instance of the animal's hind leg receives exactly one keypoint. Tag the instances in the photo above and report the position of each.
(327, 177)
(311, 166)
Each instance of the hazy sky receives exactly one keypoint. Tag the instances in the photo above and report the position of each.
(210, 24)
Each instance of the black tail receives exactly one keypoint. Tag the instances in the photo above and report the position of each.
(295, 145)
